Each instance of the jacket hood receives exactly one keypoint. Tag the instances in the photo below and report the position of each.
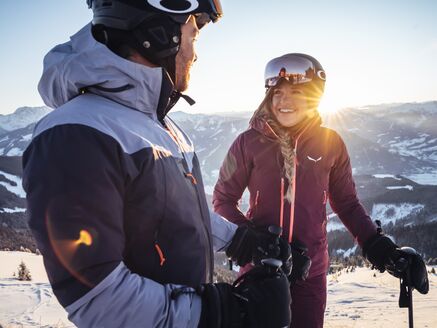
(83, 62)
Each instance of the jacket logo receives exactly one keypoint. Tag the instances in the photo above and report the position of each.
(314, 160)
(163, 5)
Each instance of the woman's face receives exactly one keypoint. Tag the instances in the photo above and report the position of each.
(289, 104)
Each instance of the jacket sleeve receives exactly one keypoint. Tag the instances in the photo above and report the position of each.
(222, 231)
(75, 178)
(233, 180)
(343, 198)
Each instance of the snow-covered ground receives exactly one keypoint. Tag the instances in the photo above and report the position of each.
(362, 300)
(355, 299)
(25, 304)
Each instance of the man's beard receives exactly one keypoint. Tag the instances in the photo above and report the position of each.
(183, 65)
(182, 77)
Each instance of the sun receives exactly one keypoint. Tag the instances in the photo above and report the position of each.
(328, 105)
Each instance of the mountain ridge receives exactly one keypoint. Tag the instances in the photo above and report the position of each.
(392, 152)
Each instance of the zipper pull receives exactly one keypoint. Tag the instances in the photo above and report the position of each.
(192, 177)
(160, 254)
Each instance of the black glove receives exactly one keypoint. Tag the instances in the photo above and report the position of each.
(259, 298)
(384, 254)
(301, 262)
(380, 251)
(251, 244)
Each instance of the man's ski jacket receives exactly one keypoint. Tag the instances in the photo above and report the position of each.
(322, 173)
(115, 197)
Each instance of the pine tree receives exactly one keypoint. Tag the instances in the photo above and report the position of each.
(23, 272)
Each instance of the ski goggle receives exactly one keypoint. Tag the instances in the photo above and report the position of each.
(214, 13)
(204, 11)
(293, 68)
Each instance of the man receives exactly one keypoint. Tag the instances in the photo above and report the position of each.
(114, 189)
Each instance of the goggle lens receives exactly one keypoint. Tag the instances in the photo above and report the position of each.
(294, 69)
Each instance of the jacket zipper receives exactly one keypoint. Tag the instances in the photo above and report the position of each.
(208, 253)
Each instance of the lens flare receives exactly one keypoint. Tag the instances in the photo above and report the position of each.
(69, 250)
(84, 238)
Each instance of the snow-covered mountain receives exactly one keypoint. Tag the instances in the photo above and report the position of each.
(21, 118)
(408, 130)
(392, 138)
(381, 139)
(393, 150)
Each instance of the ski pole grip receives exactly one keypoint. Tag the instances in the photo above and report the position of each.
(272, 263)
(274, 230)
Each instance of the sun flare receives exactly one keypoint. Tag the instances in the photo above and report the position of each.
(329, 106)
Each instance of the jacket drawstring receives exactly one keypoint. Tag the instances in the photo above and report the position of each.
(281, 213)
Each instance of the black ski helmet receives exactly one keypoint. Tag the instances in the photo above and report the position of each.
(151, 27)
(297, 68)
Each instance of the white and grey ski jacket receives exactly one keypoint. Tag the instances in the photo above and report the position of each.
(115, 197)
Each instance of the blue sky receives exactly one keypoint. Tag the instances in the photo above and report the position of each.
(373, 51)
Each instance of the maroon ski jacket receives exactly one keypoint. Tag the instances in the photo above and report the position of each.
(322, 172)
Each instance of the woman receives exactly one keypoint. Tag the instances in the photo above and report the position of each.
(292, 166)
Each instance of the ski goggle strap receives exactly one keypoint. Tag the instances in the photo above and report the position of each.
(217, 12)
(293, 68)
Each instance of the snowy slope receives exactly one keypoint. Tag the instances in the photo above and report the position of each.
(355, 300)
(25, 304)
(367, 298)
(14, 143)
(386, 213)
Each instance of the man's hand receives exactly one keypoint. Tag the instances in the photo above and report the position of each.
(251, 244)
(259, 298)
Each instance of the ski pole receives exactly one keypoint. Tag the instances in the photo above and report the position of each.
(406, 293)
(410, 298)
